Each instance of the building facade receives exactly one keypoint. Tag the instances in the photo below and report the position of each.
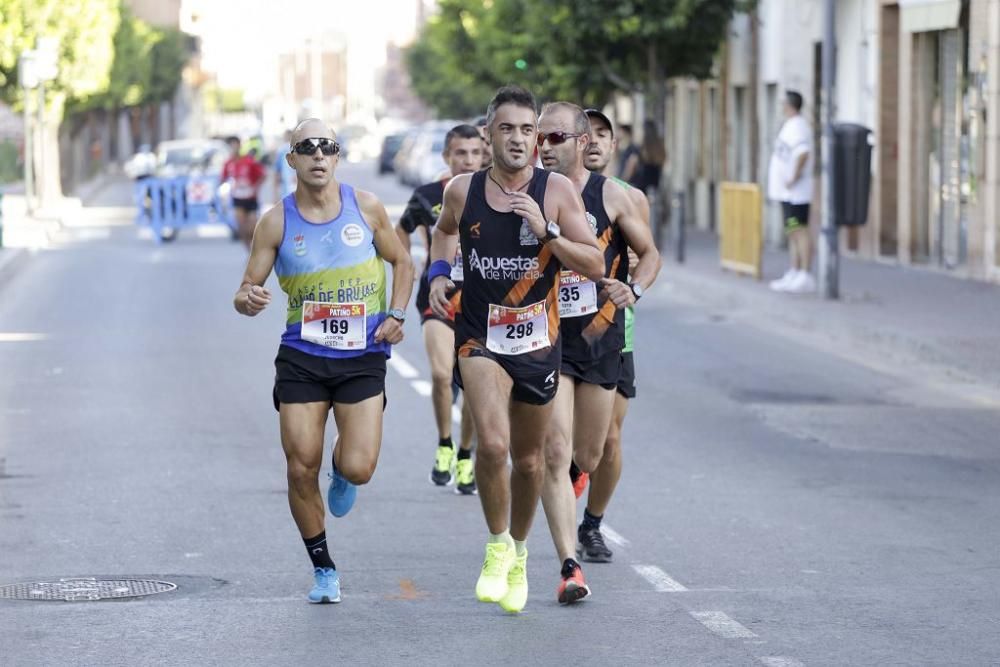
(921, 74)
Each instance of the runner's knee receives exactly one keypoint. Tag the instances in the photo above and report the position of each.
(302, 474)
(355, 470)
(491, 451)
(588, 460)
(529, 463)
(558, 453)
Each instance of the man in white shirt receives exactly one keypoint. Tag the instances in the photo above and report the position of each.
(790, 181)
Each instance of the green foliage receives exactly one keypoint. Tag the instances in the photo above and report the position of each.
(84, 29)
(108, 58)
(581, 50)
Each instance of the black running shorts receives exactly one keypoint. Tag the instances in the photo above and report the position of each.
(250, 204)
(307, 378)
(626, 381)
(533, 389)
(605, 371)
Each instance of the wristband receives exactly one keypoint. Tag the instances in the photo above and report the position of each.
(438, 268)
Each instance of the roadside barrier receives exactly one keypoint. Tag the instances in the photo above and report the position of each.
(169, 204)
(740, 229)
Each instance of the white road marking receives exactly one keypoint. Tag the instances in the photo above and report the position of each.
(614, 536)
(780, 661)
(720, 623)
(422, 387)
(660, 580)
(456, 414)
(213, 231)
(402, 366)
(21, 337)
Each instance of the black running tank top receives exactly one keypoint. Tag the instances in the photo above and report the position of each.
(591, 336)
(509, 297)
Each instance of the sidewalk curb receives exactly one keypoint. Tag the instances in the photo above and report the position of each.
(12, 260)
(886, 351)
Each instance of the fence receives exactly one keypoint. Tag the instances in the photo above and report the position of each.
(168, 204)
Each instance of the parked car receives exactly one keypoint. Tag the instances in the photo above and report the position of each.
(422, 162)
(390, 147)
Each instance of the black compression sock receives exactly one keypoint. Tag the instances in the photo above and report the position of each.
(568, 566)
(590, 521)
(446, 442)
(319, 552)
(464, 454)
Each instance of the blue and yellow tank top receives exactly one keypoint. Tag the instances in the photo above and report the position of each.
(335, 282)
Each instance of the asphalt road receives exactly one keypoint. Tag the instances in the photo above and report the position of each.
(779, 505)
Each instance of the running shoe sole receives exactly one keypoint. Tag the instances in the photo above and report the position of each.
(325, 600)
(587, 557)
(573, 593)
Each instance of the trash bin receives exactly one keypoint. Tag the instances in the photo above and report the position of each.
(852, 173)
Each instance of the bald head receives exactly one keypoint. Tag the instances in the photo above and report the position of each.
(309, 128)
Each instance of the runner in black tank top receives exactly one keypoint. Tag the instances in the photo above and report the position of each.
(507, 267)
(593, 329)
(592, 324)
(513, 244)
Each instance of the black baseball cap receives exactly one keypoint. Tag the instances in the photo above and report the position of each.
(594, 113)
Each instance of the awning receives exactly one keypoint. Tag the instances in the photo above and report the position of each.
(929, 15)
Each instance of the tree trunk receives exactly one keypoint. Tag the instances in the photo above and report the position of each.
(48, 172)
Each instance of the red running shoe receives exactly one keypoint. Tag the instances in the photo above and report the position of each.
(573, 588)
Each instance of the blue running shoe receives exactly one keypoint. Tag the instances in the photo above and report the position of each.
(327, 588)
(341, 494)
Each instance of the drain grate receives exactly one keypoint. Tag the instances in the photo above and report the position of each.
(84, 589)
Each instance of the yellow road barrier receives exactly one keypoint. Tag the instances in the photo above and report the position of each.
(740, 228)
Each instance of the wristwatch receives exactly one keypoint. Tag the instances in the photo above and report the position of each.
(552, 231)
(637, 290)
(398, 314)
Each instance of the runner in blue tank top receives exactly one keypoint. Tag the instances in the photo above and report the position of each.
(327, 243)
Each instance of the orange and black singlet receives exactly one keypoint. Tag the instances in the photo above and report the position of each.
(509, 298)
(592, 327)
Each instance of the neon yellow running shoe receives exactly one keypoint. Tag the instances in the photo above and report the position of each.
(444, 466)
(492, 584)
(517, 585)
(465, 477)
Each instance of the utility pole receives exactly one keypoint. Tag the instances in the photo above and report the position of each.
(829, 261)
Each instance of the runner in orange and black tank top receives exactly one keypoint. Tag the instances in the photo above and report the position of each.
(593, 329)
(506, 266)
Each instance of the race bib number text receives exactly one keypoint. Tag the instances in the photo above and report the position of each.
(339, 326)
(513, 331)
(577, 295)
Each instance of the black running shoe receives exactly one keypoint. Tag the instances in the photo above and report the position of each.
(591, 547)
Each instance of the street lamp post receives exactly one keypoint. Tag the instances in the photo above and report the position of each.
(829, 260)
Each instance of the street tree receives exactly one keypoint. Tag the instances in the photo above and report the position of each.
(83, 30)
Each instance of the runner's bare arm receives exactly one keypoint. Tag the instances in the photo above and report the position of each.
(444, 240)
(576, 248)
(389, 248)
(641, 203)
(637, 234)
(252, 297)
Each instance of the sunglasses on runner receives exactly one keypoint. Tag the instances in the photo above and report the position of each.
(555, 138)
(309, 146)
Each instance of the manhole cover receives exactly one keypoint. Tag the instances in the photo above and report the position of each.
(84, 589)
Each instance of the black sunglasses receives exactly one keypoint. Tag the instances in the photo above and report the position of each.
(309, 146)
(555, 138)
